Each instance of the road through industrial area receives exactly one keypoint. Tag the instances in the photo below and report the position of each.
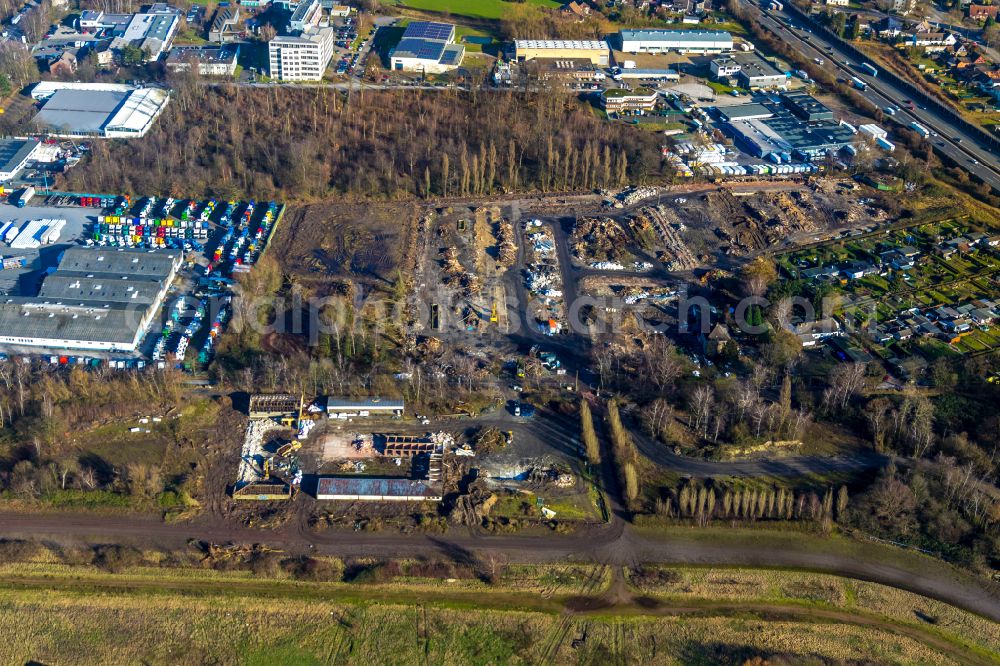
(966, 150)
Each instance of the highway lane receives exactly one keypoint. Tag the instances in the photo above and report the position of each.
(968, 152)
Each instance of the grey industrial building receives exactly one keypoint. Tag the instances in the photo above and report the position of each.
(757, 72)
(97, 299)
(806, 107)
(783, 137)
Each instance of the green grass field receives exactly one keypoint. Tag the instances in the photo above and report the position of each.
(482, 9)
(689, 615)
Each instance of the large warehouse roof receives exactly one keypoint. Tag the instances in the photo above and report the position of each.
(95, 299)
(79, 111)
(15, 151)
(45, 89)
(676, 35)
(155, 264)
(587, 45)
(73, 289)
(114, 112)
(93, 322)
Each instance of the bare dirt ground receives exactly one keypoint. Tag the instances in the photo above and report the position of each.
(318, 242)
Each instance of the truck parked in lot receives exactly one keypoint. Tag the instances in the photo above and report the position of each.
(25, 197)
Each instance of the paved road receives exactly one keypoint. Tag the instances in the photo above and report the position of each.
(616, 544)
(970, 153)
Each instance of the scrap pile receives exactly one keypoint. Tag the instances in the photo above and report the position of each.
(677, 256)
(596, 240)
(455, 274)
(506, 246)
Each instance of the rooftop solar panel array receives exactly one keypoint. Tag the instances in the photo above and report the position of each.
(410, 47)
(429, 30)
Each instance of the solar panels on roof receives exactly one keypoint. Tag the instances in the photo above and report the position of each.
(429, 30)
(423, 49)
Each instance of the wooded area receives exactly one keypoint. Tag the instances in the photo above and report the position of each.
(309, 144)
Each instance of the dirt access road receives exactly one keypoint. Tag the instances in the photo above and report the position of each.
(616, 544)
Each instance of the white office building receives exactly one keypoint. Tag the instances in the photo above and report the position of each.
(303, 57)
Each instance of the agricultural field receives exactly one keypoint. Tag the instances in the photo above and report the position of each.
(685, 616)
(481, 9)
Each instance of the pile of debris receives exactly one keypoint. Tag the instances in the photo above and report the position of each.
(490, 440)
(677, 255)
(543, 280)
(363, 443)
(599, 240)
(253, 450)
(506, 245)
(470, 508)
(630, 196)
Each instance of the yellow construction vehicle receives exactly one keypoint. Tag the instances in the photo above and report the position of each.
(493, 314)
(289, 448)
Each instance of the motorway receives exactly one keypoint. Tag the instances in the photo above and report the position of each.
(969, 153)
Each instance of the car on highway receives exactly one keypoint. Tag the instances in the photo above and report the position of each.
(957, 139)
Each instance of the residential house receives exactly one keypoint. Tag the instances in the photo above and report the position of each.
(930, 42)
(888, 28)
(716, 340)
(812, 332)
(982, 12)
(574, 9)
(225, 25)
(64, 65)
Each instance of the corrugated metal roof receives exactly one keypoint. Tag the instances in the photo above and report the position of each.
(362, 403)
(156, 264)
(374, 487)
(586, 45)
(677, 35)
(91, 322)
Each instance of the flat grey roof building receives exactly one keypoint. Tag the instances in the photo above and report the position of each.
(745, 112)
(14, 153)
(97, 299)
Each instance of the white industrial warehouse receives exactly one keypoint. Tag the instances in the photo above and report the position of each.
(674, 41)
(112, 111)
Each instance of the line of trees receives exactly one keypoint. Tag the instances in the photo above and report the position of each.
(624, 454)
(703, 503)
(588, 435)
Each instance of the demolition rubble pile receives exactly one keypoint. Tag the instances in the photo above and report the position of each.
(598, 240)
(455, 275)
(506, 245)
(677, 256)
